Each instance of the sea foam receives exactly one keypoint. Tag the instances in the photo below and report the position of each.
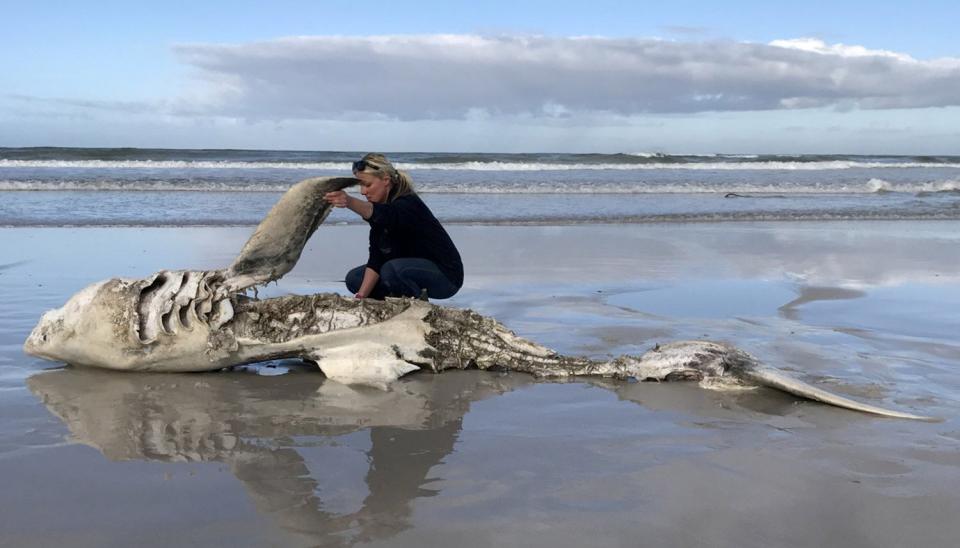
(510, 187)
(473, 165)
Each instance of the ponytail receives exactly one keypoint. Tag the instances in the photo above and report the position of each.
(402, 185)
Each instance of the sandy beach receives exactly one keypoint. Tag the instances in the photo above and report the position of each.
(260, 458)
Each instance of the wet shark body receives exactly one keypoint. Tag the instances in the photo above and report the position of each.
(180, 321)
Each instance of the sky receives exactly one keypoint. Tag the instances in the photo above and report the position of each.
(677, 77)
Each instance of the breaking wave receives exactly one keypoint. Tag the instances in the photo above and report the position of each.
(477, 165)
(739, 189)
(139, 186)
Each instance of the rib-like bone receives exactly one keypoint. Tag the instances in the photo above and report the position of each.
(156, 300)
(183, 302)
(222, 313)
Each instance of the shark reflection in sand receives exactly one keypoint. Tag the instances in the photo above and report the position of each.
(261, 426)
(177, 321)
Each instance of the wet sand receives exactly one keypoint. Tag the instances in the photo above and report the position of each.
(252, 458)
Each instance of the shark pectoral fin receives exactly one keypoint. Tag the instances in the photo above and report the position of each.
(279, 239)
(775, 379)
(368, 363)
(359, 355)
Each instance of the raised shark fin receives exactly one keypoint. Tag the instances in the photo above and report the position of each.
(772, 378)
(276, 244)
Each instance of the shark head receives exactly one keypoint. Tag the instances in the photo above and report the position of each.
(65, 334)
(126, 324)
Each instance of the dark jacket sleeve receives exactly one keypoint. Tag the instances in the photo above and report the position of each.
(376, 259)
(385, 218)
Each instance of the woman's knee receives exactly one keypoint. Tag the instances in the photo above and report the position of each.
(354, 278)
(391, 277)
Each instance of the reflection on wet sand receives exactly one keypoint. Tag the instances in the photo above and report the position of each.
(808, 294)
(261, 427)
(300, 444)
(704, 406)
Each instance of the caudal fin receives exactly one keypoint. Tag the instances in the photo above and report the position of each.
(775, 379)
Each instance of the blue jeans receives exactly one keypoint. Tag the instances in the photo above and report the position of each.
(405, 278)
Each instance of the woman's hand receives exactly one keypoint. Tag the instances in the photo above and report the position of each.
(338, 198)
(359, 296)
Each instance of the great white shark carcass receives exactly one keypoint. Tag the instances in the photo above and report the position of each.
(182, 321)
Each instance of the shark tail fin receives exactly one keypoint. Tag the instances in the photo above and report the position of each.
(765, 376)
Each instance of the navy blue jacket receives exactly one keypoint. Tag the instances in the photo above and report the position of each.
(406, 228)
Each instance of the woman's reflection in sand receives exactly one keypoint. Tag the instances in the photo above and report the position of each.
(262, 426)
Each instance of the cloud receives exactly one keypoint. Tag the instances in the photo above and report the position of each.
(457, 76)
(132, 107)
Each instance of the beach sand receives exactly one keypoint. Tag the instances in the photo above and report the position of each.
(258, 458)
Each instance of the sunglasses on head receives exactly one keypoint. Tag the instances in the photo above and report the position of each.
(361, 165)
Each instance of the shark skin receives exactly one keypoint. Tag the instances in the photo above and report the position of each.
(184, 321)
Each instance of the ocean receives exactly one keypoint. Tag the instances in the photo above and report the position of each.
(168, 187)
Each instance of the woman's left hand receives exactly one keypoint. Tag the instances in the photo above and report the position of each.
(338, 198)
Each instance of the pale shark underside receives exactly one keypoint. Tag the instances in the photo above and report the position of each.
(183, 321)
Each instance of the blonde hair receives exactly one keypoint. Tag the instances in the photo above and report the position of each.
(402, 183)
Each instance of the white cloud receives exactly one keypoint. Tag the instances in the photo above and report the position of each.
(842, 50)
(422, 77)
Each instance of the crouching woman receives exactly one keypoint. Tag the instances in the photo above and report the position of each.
(411, 255)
